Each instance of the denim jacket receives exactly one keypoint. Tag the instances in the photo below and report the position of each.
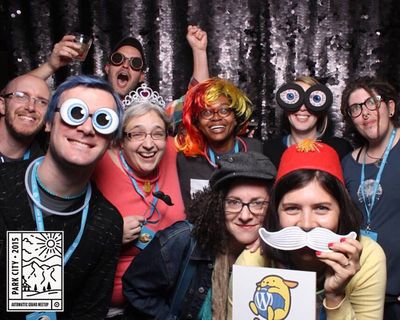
(149, 282)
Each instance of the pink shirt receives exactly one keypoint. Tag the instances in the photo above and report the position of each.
(117, 188)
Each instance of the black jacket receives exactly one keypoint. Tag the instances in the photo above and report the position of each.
(89, 273)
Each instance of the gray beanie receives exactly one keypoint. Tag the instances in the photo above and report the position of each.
(246, 165)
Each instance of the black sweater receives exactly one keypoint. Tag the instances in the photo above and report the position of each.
(89, 273)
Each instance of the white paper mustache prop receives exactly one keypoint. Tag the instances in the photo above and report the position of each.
(292, 238)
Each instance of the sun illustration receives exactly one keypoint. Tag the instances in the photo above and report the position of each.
(48, 243)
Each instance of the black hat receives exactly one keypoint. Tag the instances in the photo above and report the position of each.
(251, 165)
(131, 42)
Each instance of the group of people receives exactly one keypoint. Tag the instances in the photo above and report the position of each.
(153, 222)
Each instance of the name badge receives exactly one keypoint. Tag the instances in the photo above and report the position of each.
(369, 234)
(41, 316)
(146, 235)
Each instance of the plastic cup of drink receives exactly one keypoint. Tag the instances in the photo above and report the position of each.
(85, 42)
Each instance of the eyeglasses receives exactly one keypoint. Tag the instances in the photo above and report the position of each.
(372, 103)
(117, 58)
(141, 135)
(256, 207)
(25, 98)
(74, 112)
(222, 112)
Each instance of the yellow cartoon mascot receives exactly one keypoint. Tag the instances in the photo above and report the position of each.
(271, 299)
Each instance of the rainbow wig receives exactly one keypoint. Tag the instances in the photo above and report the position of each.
(190, 139)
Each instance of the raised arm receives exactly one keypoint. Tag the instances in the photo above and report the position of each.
(197, 39)
(62, 54)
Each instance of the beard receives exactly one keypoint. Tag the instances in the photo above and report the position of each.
(26, 134)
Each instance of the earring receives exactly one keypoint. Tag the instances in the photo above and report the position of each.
(391, 114)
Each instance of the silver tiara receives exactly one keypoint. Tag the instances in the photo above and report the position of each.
(143, 94)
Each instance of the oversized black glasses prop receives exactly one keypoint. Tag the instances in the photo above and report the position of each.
(75, 112)
(117, 58)
(317, 98)
(290, 96)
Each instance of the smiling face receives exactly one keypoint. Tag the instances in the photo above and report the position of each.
(302, 121)
(123, 78)
(144, 156)
(80, 145)
(23, 120)
(243, 226)
(309, 207)
(373, 125)
(219, 131)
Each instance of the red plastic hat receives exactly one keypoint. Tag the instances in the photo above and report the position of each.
(309, 154)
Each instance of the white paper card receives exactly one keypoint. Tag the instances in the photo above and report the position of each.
(268, 293)
(197, 185)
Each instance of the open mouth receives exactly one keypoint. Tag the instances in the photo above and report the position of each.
(302, 117)
(123, 78)
(217, 128)
(148, 155)
(27, 118)
(80, 144)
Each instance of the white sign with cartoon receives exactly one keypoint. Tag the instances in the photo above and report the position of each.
(34, 271)
(272, 294)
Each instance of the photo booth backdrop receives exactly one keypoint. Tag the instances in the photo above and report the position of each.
(259, 45)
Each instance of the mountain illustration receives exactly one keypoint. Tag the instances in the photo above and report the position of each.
(42, 274)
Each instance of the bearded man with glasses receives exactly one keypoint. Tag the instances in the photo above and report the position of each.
(23, 105)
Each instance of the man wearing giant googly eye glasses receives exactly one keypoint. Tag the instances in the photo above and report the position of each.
(56, 194)
(317, 98)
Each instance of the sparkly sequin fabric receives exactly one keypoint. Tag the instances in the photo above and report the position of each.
(259, 45)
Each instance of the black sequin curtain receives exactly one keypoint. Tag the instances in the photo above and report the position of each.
(256, 44)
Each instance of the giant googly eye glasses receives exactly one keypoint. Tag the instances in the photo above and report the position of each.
(75, 112)
(291, 96)
(117, 58)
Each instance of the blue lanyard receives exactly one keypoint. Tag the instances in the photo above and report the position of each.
(287, 140)
(27, 154)
(39, 215)
(153, 204)
(212, 154)
(368, 209)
